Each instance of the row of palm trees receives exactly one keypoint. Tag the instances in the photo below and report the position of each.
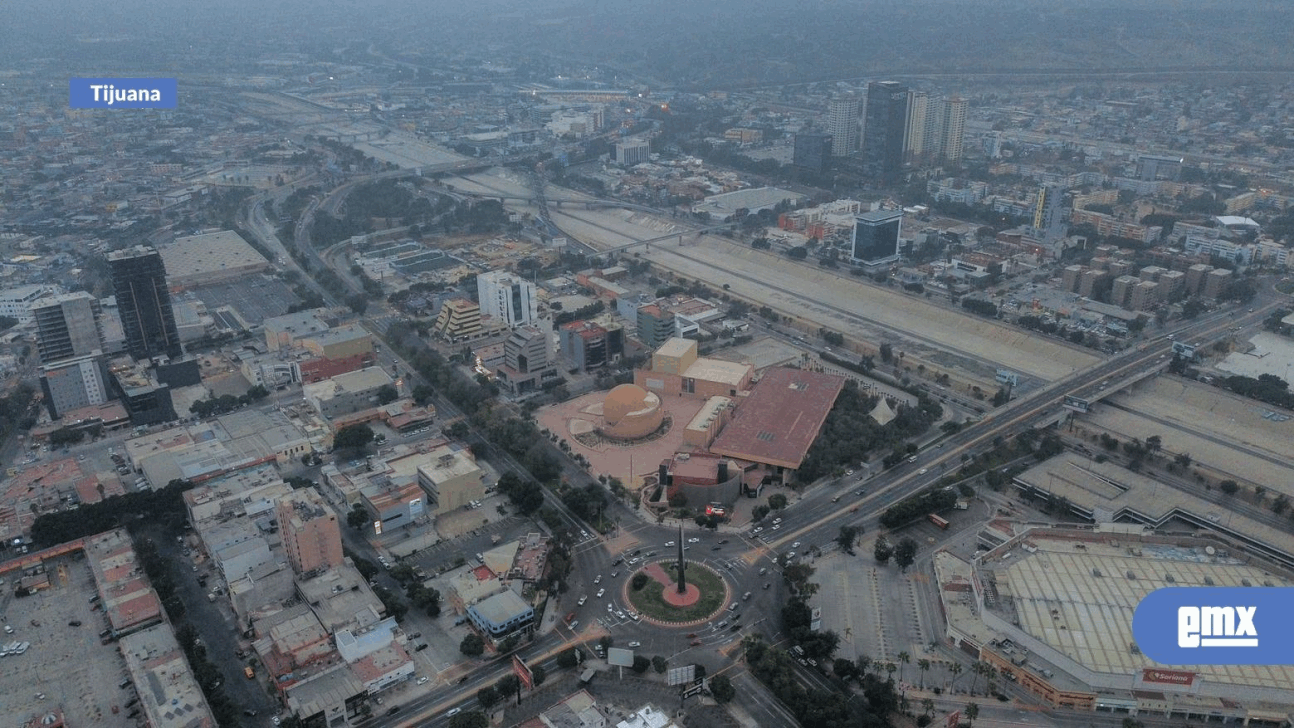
(978, 669)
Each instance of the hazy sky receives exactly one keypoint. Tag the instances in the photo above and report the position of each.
(701, 41)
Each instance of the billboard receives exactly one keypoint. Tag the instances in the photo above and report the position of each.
(680, 675)
(522, 671)
(1078, 404)
(618, 657)
(1167, 677)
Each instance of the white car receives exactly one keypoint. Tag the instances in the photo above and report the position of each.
(601, 592)
(669, 543)
(453, 711)
(795, 545)
(620, 614)
(758, 529)
(423, 680)
(694, 540)
(923, 471)
(777, 526)
(583, 599)
(635, 644)
(597, 579)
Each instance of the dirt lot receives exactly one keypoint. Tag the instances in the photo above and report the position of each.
(1218, 429)
(836, 302)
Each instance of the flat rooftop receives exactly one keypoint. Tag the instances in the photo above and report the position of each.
(781, 418)
(1079, 597)
(730, 373)
(212, 254)
(1107, 493)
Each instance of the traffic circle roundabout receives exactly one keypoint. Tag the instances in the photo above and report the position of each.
(653, 592)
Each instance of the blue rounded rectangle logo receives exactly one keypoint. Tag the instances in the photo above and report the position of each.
(122, 93)
(1216, 626)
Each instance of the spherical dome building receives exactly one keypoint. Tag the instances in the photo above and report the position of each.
(630, 412)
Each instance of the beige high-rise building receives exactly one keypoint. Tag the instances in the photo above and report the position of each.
(843, 117)
(1195, 277)
(310, 532)
(1070, 278)
(1143, 296)
(1089, 280)
(1170, 282)
(1121, 291)
(914, 137)
(1217, 282)
(954, 128)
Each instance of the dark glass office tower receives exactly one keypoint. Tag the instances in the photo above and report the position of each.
(812, 151)
(139, 280)
(884, 125)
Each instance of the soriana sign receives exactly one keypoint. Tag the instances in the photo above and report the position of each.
(1167, 677)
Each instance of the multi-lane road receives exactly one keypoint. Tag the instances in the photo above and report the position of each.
(812, 520)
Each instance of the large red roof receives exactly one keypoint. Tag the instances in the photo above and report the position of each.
(781, 418)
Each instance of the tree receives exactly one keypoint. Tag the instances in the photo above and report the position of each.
(956, 669)
(358, 517)
(971, 711)
(474, 719)
(924, 666)
(386, 394)
(777, 501)
(538, 674)
(846, 538)
(472, 645)
(353, 437)
(639, 581)
(721, 688)
(1230, 487)
(640, 664)
(759, 513)
(863, 662)
(488, 697)
(844, 669)
(905, 553)
(904, 658)
(978, 668)
(422, 394)
(509, 644)
(882, 551)
(887, 353)
(659, 664)
(566, 660)
(508, 685)
(357, 303)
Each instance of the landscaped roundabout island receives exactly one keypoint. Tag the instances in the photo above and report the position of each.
(653, 591)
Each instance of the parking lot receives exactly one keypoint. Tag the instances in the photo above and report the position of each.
(66, 667)
(871, 607)
(256, 298)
